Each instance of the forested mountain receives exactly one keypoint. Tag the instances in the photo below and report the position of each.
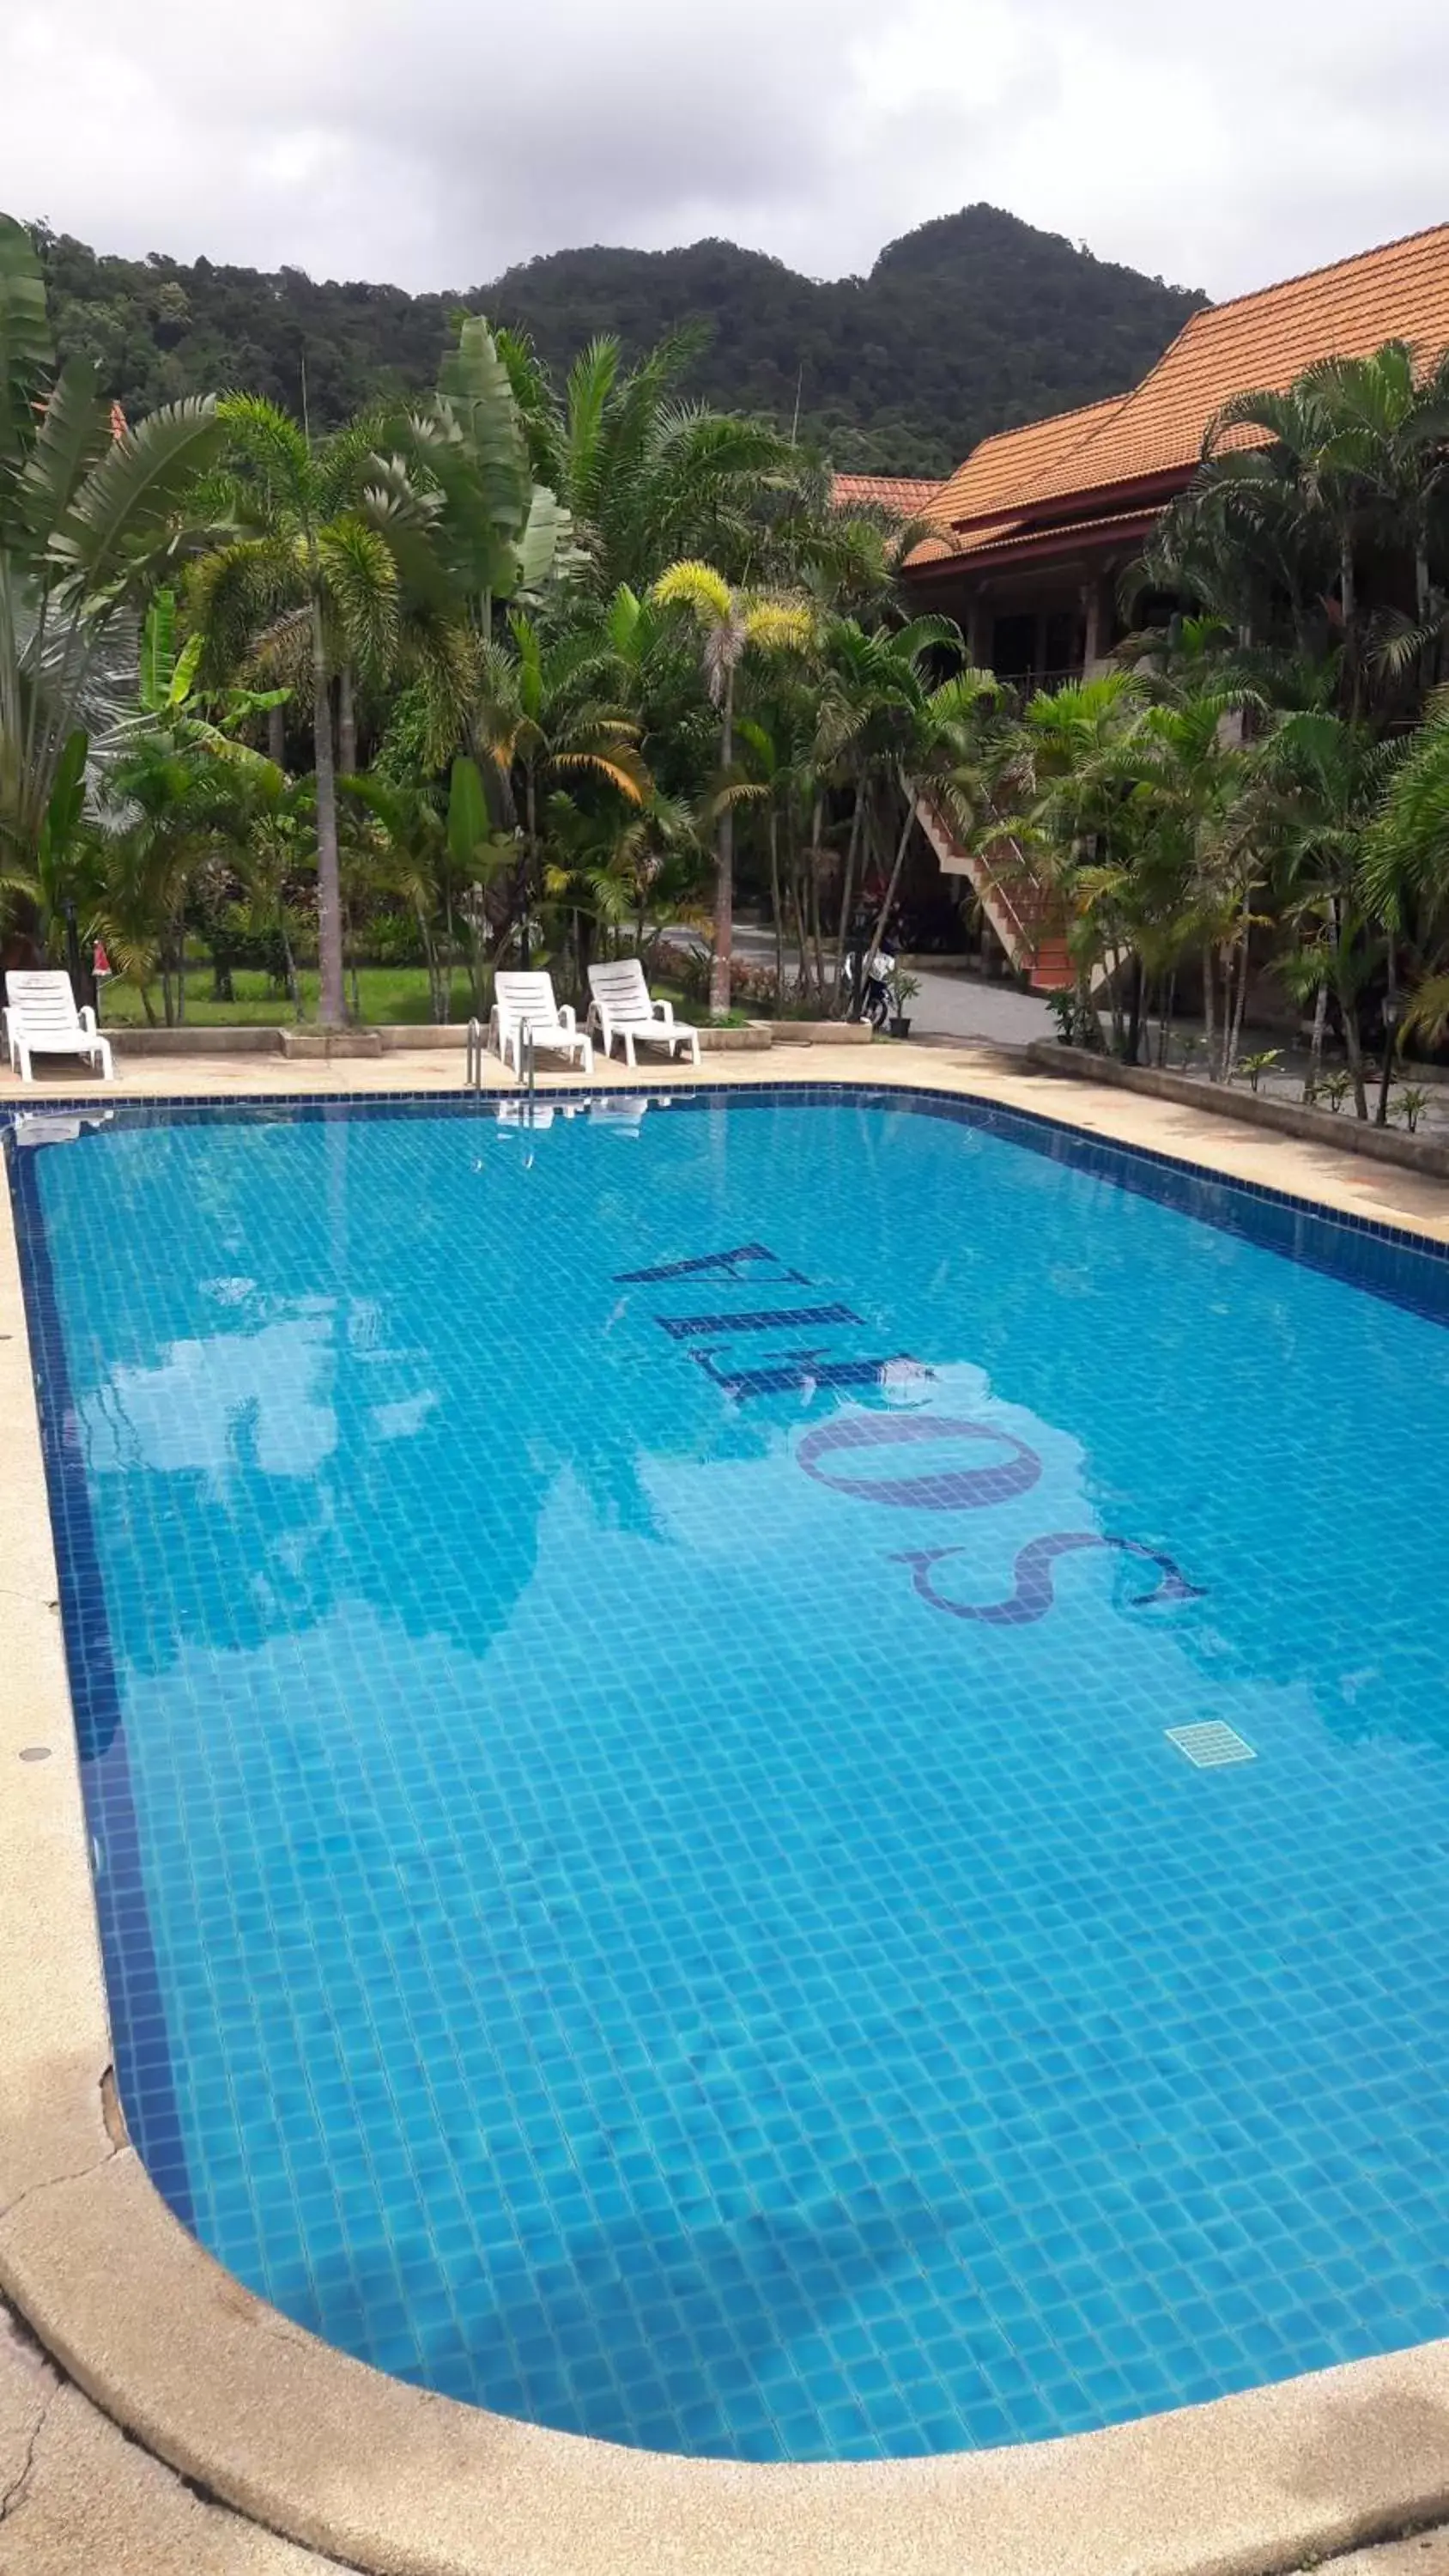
(972, 323)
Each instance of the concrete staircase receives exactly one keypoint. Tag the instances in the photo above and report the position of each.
(1018, 908)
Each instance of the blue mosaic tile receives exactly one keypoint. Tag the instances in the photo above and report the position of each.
(642, 1877)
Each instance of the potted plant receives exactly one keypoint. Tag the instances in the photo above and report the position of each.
(903, 989)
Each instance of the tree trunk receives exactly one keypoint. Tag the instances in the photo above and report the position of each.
(722, 961)
(775, 907)
(1230, 968)
(1165, 1024)
(435, 999)
(530, 857)
(1315, 1043)
(899, 861)
(349, 955)
(330, 1006)
(1353, 1044)
(1114, 998)
(1209, 1031)
(817, 826)
(1347, 595)
(450, 952)
(1381, 1112)
(1134, 1011)
(1236, 1036)
(1348, 1012)
(804, 969)
(346, 725)
(1427, 652)
(79, 964)
(277, 736)
(847, 897)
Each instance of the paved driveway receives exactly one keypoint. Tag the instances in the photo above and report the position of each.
(950, 1006)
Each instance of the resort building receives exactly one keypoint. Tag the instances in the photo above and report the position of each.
(906, 496)
(1038, 524)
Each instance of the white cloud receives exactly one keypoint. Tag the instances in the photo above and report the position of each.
(435, 145)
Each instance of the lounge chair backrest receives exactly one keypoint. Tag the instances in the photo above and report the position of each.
(44, 1001)
(521, 996)
(621, 990)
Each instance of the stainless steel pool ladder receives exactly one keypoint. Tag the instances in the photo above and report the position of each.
(527, 1059)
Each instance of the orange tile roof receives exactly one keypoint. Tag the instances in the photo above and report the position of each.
(1021, 533)
(1398, 292)
(1002, 535)
(952, 541)
(996, 473)
(909, 497)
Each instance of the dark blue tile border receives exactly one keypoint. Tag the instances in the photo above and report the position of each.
(145, 2077)
(1383, 1260)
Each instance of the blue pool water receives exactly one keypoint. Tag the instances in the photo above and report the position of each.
(597, 1920)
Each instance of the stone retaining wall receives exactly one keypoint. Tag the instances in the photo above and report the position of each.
(1340, 1129)
(402, 1037)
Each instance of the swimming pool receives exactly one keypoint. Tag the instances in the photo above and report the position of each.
(597, 1919)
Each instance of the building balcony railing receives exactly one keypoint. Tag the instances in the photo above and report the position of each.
(1032, 684)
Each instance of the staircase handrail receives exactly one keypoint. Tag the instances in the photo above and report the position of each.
(1027, 932)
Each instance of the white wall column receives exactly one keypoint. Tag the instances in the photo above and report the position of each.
(1097, 605)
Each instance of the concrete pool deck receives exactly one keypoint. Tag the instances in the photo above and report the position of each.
(306, 2443)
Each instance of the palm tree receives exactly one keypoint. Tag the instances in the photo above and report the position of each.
(633, 872)
(1396, 414)
(882, 730)
(936, 745)
(648, 477)
(776, 747)
(1182, 757)
(1304, 490)
(546, 718)
(268, 839)
(1316, 784)
(310, 586)
(462, 503)
(731, 623)
(1405, 870)
(91, 518)
(413, 858)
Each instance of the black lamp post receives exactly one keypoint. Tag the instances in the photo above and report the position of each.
(1391, 1022)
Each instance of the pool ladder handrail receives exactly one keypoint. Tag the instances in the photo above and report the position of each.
(527, 1059)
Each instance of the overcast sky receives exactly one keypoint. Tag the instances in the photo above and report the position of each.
(433, 142)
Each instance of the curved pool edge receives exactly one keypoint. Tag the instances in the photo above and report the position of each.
(388, 2478)
(395, 2480)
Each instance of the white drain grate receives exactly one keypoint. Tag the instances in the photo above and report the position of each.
(1210, 1745)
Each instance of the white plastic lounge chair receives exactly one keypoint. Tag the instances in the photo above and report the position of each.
(621, 1007)
(41, 1019)
(526, 1000)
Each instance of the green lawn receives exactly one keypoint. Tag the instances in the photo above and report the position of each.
(389, 993)
(391, 996)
